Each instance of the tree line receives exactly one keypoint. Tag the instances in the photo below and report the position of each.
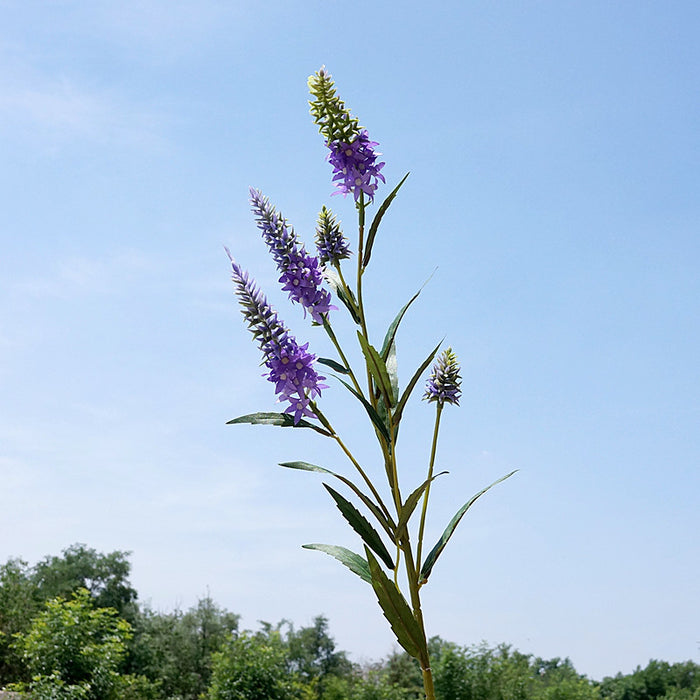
(71, 628)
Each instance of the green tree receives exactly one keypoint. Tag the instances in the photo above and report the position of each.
(73, 650)
(176, 649)
(499, 673)
(105, 576)
(403, 672)
(19, 603)
(312, 654)
(253, 667)
(658, 679)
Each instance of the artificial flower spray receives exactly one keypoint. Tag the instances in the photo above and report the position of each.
(392, 561)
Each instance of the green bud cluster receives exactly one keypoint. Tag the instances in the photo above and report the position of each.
(333, 119)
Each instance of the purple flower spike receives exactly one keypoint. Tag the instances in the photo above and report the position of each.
(331, 244)
(295, 379)
(301, 272)
(290, 365)
(355, 169)
(444, 383)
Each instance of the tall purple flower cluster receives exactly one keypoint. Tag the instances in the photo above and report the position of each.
(301, 272)
(355, 167)
(444, 383)
(290, 365)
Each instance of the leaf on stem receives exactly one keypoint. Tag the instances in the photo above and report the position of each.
(377, 368)
(412, 501)
(285, 420)
(391, 331)
(333, 365)
(396, 610)
(442, 542)
(353, 561)
(385, 522)
(374, 416)
(349, 302)
(374, 226)
(407, 391)
(361, 526)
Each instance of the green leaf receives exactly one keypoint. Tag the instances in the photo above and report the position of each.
(393, 328)
(396, 610)
(361, 526)
(442, 542)
(407, 391)
(374, 226)
(391, 331)
(374, 416)
(284, 420)
(350, 302)
(333, 365)
(385, 522)
(377, 368)
(412, 501)
(353, 561)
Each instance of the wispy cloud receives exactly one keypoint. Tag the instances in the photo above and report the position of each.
(60, 110)
(78, 275)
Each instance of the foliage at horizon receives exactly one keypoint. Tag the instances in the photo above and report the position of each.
(69, 647)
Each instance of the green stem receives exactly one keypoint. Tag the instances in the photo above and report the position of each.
(396, 491)
(335, 342)
(414, 589)
(326, 424)
(433, 450)
(360, 304)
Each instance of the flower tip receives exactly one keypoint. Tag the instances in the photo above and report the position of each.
(444, 384)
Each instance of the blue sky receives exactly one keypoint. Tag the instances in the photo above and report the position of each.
(553, 150)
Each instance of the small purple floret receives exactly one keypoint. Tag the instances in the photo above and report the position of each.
(302, 278)
(294, 377)
(355, 169)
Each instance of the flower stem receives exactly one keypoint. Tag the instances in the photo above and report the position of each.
(326, 424)
(414, 589)
(360, 305)
(433, 450)
(334, 340)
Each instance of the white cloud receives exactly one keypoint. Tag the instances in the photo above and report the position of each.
(78, 275)
(57, 110)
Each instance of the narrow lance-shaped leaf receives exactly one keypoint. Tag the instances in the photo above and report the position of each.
(353, 561)
(386, 522)
(283, 420)
(374, 226)
(442, 542)
(394, 326)
(336, 284)
(412, 501)
(374, 416)
(407, 391)
(361, 526)
(396, 610)
(333, 365)
(377, 368)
